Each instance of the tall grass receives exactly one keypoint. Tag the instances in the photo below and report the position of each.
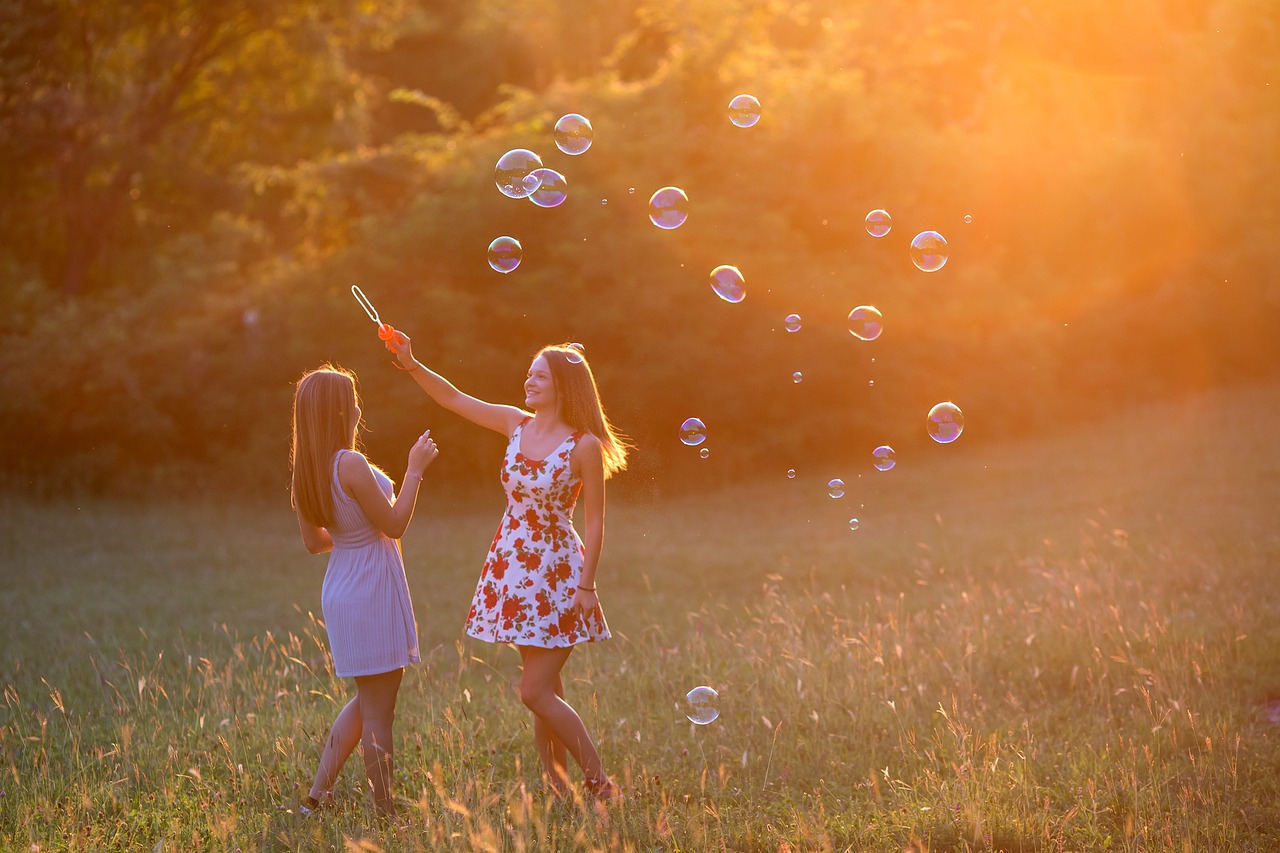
(1070, 644)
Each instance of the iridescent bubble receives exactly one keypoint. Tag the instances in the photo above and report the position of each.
(513, 174)
(835, 488)
(797, 377)
(552, 189)
(929, 251)
(668, 208)
(865, 323)
(728, 283)
(883, 457)
(871, 383)
(604, 201)
(631, 191)
(853, 524)
(744, 110)
(791, 473)
(792, 322)
(573, 134)
(704, 453)
(704, 705)
(967, 219)
(879, 223)
(505, 253)
(946, 422)
(575, 354)
(693, 432)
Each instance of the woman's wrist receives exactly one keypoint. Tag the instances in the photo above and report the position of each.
(413, 475)
(591, 588)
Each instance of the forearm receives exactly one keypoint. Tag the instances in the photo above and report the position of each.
(406, 501)
(437, 387)
(593, 545)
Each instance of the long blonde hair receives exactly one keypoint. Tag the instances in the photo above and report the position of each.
(579, 402)
(323, 406)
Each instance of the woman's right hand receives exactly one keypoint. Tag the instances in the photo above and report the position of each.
(422, 454)
(400, 344)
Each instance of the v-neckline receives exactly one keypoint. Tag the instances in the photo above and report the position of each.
(520, 446)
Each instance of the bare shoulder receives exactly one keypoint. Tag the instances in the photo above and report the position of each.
(588, 444)
(588, 453)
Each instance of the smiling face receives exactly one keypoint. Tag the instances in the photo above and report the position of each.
(539, 387)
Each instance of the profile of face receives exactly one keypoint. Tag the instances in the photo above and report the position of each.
(539, 387)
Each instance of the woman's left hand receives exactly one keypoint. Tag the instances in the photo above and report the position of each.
(585, 601)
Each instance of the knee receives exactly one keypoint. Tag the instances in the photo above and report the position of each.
(534, 696)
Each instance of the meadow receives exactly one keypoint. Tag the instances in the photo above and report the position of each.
(1066, 643)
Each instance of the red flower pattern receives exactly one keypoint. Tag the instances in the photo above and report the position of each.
(526, 589)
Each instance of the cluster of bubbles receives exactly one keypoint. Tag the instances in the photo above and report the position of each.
(520, 173)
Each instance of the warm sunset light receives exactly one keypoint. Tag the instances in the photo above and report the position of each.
(928, 354)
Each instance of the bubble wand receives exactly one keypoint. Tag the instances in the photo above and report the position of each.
(385, 332)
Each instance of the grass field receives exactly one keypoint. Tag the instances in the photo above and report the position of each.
(1071, 643)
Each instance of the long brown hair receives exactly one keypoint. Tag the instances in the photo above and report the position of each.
(579, 402)
(323, 406)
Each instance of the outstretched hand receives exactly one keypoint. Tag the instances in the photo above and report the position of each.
(398, 344)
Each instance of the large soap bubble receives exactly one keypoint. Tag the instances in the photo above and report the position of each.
(552, 189)
(946, 422)
(668, 208)
(728, 283)
(929, 251)
(505, 254)
(744, 110)
(573, 134)
(514, 172)
(866, 322)
(704, 705)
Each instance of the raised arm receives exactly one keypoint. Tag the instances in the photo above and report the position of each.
(391, 516)
(494, 416)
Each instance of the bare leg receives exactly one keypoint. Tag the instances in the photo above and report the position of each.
(551, 749)
(539, 693)
(343, 737)
(377, 697)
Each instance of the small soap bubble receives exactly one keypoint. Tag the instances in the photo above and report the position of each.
(668, 208)
(967, 219)
(879, 223)
(744, 110)
(604, 201)
(513, 173)
(865, 323)
(552, 188)
(693, 432)
(573, 134)
(792, 322)
(835, 488)
(871, 383)
(728, 283)
(797, 377)
(505, 253)
(946, 422)
(704, 705)
(884, 457)
(929, 251)
(631, 190)
(791, 473)
(853, 524)
(704, 453)
(574, 353)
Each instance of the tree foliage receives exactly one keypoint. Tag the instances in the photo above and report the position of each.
(219, 191)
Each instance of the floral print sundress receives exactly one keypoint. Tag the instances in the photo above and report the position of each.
(526, 589)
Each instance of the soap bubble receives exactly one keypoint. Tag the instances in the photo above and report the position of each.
(791, 473)
(693, 432)
(744, 110)
(853, 524)
(797, 377)
(704, 453)
(704, 705)
(835, 488)
(505, 253)
(879, 223)
(946, 422)
(728, 283)
(668, 208)
(865, 323)
(929, 251)
(967, 219)
(884, 457)
(792, 322)
(552, 189)
(573, 134)
(514, 172)
(871, 383)
(604, 201)
(575, 353)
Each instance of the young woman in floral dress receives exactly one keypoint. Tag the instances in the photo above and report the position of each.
(538, 586)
